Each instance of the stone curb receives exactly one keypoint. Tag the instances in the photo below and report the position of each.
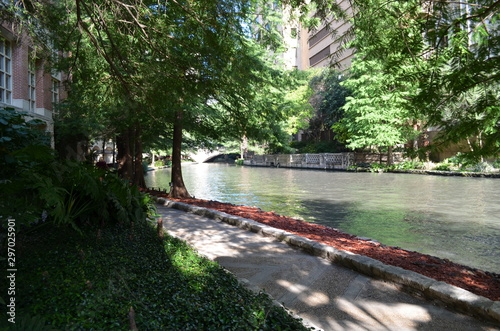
(451, 296)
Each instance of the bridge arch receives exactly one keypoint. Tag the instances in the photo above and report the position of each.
(203, 155)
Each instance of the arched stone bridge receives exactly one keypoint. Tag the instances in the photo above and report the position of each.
(204, 155)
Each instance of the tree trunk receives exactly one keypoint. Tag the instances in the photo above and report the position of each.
(138, 168)
(129, 145)
(390, 156)
(243, 147)
(480, 142)
(124, 157)
(103, 149)
(178, 189)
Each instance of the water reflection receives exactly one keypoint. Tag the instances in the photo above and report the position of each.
(451, 217)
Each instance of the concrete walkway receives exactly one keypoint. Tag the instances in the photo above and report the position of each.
(326, 296)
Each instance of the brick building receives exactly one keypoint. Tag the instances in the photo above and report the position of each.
(26, 81)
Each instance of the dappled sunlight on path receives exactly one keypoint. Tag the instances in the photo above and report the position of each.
(325, 295)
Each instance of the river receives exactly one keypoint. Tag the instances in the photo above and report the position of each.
(456, 218)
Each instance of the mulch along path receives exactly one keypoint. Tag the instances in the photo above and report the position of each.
(486, 284)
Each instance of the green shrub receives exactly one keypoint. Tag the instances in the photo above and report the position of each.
(378, 167)
(159, 163)
(407, 165)
(496, 164)
(443, 167)
(75, 194)
(22, 142)
(461, 160)
(239, 161)
(39, 188)
(482, 167)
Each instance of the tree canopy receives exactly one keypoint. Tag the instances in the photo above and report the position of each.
(431, 63)
(459, 91)
(144, 69)
(148, 69)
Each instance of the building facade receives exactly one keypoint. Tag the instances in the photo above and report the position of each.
(323, 46)
(26, 82)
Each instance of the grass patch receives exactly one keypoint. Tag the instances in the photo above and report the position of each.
(69, 281)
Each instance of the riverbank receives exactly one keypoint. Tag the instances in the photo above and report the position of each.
(351, 161)
(398, 171)
(448, 173)
(480, 282)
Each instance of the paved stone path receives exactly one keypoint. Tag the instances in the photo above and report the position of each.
(327, 296)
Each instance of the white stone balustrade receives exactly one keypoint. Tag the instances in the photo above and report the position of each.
(315, 161)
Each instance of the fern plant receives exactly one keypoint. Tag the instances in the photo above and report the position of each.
(38, 188)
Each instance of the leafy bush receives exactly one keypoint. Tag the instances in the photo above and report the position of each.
(496, 164)
(90, 282)
(406, 165)
(482, 167)
(461, 160)
(21, 140)
(38, 188)
(443, 167)
(159, 163)
(377, 167)
(73, 194)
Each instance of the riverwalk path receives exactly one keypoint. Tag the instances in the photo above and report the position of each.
(326, 296)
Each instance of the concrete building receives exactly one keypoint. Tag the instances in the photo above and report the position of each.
(319, 47)
(26, 82)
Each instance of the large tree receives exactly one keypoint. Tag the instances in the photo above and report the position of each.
(161, 65)
(460, 90)
(327, 99)
(379, 112)
(437, 64)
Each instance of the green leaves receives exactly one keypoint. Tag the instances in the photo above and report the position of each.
(448, 51)
(16, 134)
(378, 113)
(43, 190)
(90, 281)
(433, 64)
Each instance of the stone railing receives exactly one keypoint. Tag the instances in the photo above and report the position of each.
(314, 161)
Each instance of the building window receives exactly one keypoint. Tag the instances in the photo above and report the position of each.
(5, 71)
(31, 86)
(55, 91)
(318, 36)
(321, 55)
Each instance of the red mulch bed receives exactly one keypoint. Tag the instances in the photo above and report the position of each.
(482, 283)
